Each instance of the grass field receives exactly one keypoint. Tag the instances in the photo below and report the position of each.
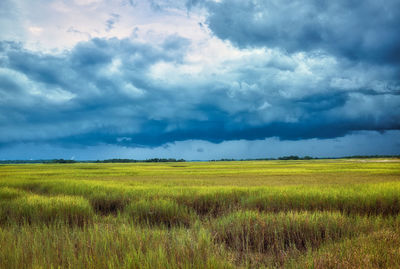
(250, 214)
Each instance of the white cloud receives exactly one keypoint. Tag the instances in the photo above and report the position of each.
(35, 30)
(87, 2)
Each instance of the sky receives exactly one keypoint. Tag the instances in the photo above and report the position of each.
(198, 79)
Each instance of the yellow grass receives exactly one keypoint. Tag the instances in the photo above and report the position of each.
(295, 214)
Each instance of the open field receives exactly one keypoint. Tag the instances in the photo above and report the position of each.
(250, 214)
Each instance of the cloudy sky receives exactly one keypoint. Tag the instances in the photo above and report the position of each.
(198, 79)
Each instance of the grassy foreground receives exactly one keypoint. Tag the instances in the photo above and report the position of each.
(252, 214)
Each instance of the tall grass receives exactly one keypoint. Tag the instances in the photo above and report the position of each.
(39, 209)
(366, 199)
(379, 249)
(270, 232)
(160, 212)
(108, 203)
(107, 246)
(112, 197)
(317, 214)
(9, 193)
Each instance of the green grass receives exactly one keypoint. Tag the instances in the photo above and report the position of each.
(160, 212)
(29, 209)
(9, 193)
(273, 232)
(107, 245)
(379, 249)
(252, 214)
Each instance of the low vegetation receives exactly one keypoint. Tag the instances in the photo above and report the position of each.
(30, 209)
(250, 214)
(160, 212)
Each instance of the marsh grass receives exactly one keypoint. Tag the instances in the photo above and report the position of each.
(108, 203)
(160, 212)
(366, 199)
(211, 201)
(266, 214)
(39, 209)
(306, 239)
(379, 249)
(112, 197)
(276, 232)
(107, 246)
(9, 193)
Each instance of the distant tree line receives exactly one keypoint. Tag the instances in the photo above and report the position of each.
(226, 160)
(61, 161)
(295, 157)
(370, 156)
(37, 161)
(291, 157)
(161, 160)
(154, 160)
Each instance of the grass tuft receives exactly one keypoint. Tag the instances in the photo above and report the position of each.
(276, 232)
(10, 193)
(108, 203)
(160, 212)
(41, 209)
(380, 249)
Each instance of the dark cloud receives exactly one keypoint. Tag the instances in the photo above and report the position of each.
(128, 93)
(360, 143)
(355, 30)
(165, 5)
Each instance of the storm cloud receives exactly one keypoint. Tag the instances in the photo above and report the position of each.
(284, 70)
(367, 30)
(105, 89)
